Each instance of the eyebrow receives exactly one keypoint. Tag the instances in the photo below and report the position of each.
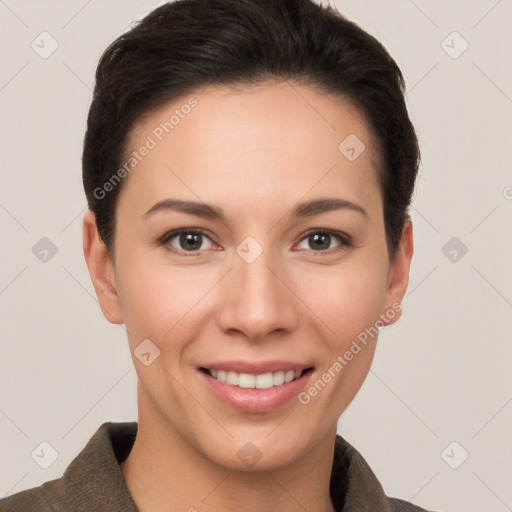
(207, 211)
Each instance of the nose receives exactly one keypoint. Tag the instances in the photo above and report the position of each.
(257, 299)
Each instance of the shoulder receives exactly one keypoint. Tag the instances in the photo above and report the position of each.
(92, 481)
(404, 506)
(355, 487)
(37, 499)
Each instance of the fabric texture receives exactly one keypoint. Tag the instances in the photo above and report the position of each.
(93, 481)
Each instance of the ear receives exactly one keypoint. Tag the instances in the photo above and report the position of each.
(101, 270)
(399, 276)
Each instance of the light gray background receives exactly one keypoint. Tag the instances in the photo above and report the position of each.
(441, 374)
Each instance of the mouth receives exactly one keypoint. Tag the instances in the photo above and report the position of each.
(256, 381)
(254, 393)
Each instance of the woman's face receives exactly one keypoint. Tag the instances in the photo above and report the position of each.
(273, 282)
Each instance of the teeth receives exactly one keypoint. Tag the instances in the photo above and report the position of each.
(264, 381)
(260, 381)
(278, 378)
(232, 378)
(247, 381)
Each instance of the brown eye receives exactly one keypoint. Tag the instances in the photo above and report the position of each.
(321, 241)
(187, 240)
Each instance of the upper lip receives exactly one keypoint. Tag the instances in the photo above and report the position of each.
(256, 368)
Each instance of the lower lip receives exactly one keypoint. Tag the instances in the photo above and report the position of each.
(255, 400)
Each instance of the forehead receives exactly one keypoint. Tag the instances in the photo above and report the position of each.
(282, 138)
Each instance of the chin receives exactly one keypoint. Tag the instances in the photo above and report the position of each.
(259, 451)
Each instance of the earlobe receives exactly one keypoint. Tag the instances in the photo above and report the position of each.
(399, 276)
(101, 270)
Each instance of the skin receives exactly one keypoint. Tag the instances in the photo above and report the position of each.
(255, 153)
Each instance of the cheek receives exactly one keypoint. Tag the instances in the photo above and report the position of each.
(345, 298)
(349, 304)
(158, 300)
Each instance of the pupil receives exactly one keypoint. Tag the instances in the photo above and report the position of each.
(189, 238)
(319, 237)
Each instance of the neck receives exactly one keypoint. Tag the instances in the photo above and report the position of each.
(165, 472)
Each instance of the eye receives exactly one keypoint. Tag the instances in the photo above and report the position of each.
(193, 240)
(186, 240)
(320, 240)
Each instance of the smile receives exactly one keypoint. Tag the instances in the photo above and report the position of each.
(255, 386)
(259, 381)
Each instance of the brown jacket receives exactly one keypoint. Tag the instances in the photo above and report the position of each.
(93, 481)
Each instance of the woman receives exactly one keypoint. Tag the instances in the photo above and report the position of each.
(248, 167)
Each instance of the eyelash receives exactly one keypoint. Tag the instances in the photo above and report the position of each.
(344, 239)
